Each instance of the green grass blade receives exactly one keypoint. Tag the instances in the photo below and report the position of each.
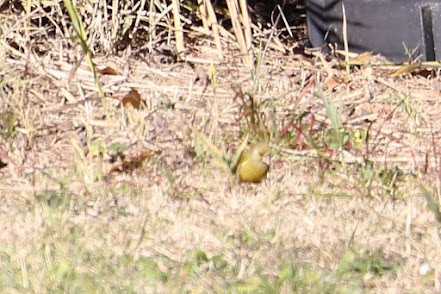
(81, 34)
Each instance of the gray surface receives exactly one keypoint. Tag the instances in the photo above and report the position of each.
(386, 27)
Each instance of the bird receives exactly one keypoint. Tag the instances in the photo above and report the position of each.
(251, 166)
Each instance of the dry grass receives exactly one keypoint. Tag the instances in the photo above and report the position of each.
(99, 197)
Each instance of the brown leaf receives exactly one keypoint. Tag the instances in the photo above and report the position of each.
(110, 69)
(132, 99)
(362, 58)
(408, 68)
(133, 162)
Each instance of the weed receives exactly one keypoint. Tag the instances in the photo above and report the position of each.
(252, 113)
(8, 123)
(80, 33)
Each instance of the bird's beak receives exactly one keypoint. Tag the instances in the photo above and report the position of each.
(267, 159)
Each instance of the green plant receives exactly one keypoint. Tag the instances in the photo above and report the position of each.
(433, 204)
(251, 112)
(337, 137)
(226, 162)
(355, 266)
(81, 35)
(390, 177)
(8, 122)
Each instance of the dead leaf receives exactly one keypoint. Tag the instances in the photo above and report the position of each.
(331, 83)
(133, 162)
(110, 69)
(361, 59)
(426, 73)
(408, 68)
(132, 99)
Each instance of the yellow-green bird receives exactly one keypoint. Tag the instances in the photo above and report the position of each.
(251, 167)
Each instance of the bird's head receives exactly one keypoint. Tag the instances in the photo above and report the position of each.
(259, 151)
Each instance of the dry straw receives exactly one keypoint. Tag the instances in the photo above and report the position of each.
(242, 29)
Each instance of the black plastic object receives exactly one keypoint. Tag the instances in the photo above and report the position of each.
(398, 29)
